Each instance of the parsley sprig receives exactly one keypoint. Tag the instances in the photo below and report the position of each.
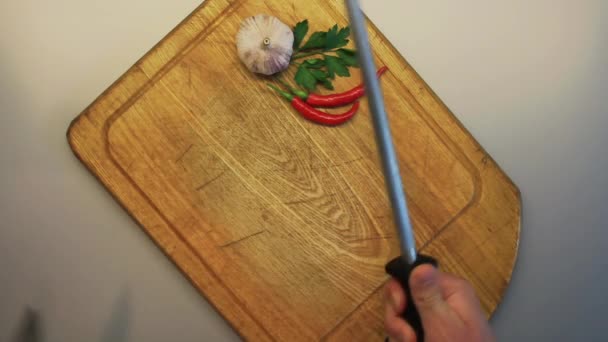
(331, 58)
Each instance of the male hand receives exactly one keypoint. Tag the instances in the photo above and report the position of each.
(448, 307)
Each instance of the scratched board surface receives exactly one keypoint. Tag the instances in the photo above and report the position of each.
(284, 225)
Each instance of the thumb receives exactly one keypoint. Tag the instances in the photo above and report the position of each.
(426, 293)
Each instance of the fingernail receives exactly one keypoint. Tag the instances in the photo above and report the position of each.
(426, 278)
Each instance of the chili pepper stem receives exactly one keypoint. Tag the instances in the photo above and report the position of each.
(299, 93)
(285, 84)
(284, 94)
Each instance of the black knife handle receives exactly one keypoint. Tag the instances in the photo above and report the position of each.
(401, 270)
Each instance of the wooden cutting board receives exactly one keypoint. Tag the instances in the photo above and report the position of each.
(284, 225)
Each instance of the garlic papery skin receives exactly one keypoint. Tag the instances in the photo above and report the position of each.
(265, 44)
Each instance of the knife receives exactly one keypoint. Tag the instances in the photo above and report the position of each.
(401, 267)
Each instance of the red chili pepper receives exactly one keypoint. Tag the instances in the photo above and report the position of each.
(336, 100)
(315, 115)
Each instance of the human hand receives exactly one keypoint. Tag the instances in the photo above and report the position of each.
(448, 307)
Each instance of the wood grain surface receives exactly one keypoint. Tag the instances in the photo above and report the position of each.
(284, 225)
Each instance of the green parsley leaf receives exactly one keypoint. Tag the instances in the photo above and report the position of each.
(335, 67)
(315, 63)
(348, 57)
(305, 78)
(316, 41)
(332, 58)
(327, 84)
(331, 40)
(320, 75)
(337, 39)
(299, 32)
(343, 36)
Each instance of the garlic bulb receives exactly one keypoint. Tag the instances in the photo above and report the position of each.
(265, 44)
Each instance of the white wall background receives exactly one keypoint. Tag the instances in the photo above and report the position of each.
(527, 78)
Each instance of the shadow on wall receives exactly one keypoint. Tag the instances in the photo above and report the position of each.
(116, 329)
(29, 330)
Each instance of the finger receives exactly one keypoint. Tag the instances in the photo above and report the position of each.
(426, 290)
(396, 328)
(460, 294)
(395, 296)
(450, 284)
